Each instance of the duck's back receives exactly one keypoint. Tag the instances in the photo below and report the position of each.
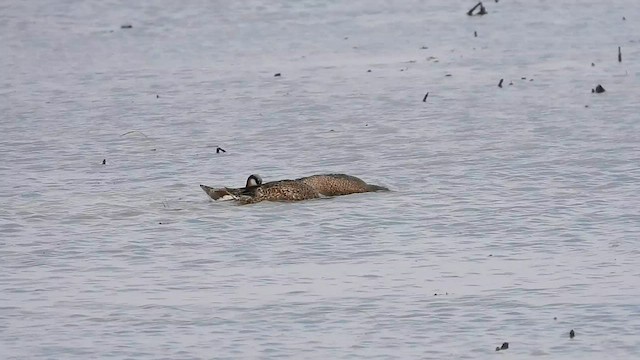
(339, 184)
(284, 190)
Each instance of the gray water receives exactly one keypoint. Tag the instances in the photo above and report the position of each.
(514, 215)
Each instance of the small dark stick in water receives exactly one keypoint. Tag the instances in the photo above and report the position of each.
(424, 99)
(475, 34)
(219, 150)
(104, 161)
(277, 75)
(481, 12)
(572, 334)
(619, 54)
(500, 83)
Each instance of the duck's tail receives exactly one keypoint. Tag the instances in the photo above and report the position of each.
(217, 194)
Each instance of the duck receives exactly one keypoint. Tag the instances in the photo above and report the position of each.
(339, 184)
(304, 188)
(226, 193)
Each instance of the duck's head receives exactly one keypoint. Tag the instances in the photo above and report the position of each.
(254, 180)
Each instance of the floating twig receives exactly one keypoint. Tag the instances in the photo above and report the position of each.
(470, 12)
(505, 346)
(219, 150)
(425, 97)
(475, 34)
(500, 83)
(104, 161)
(619, 54)
(277, 75)
(482, 11)
(572, 334)
(126, 26)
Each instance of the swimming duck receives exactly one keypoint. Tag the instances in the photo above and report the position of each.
(309, 187)
(339, 184)
(283, 190)
(226, 193)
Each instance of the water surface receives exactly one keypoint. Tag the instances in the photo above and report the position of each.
(514, 214)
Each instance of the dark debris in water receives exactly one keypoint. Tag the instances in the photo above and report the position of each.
(219, 150)
(482, 10)
(619, 54)
(572, 334)
(505, 346)
(126, 26)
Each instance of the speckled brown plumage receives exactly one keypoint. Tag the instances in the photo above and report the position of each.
(339, 184)
(283, 190)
